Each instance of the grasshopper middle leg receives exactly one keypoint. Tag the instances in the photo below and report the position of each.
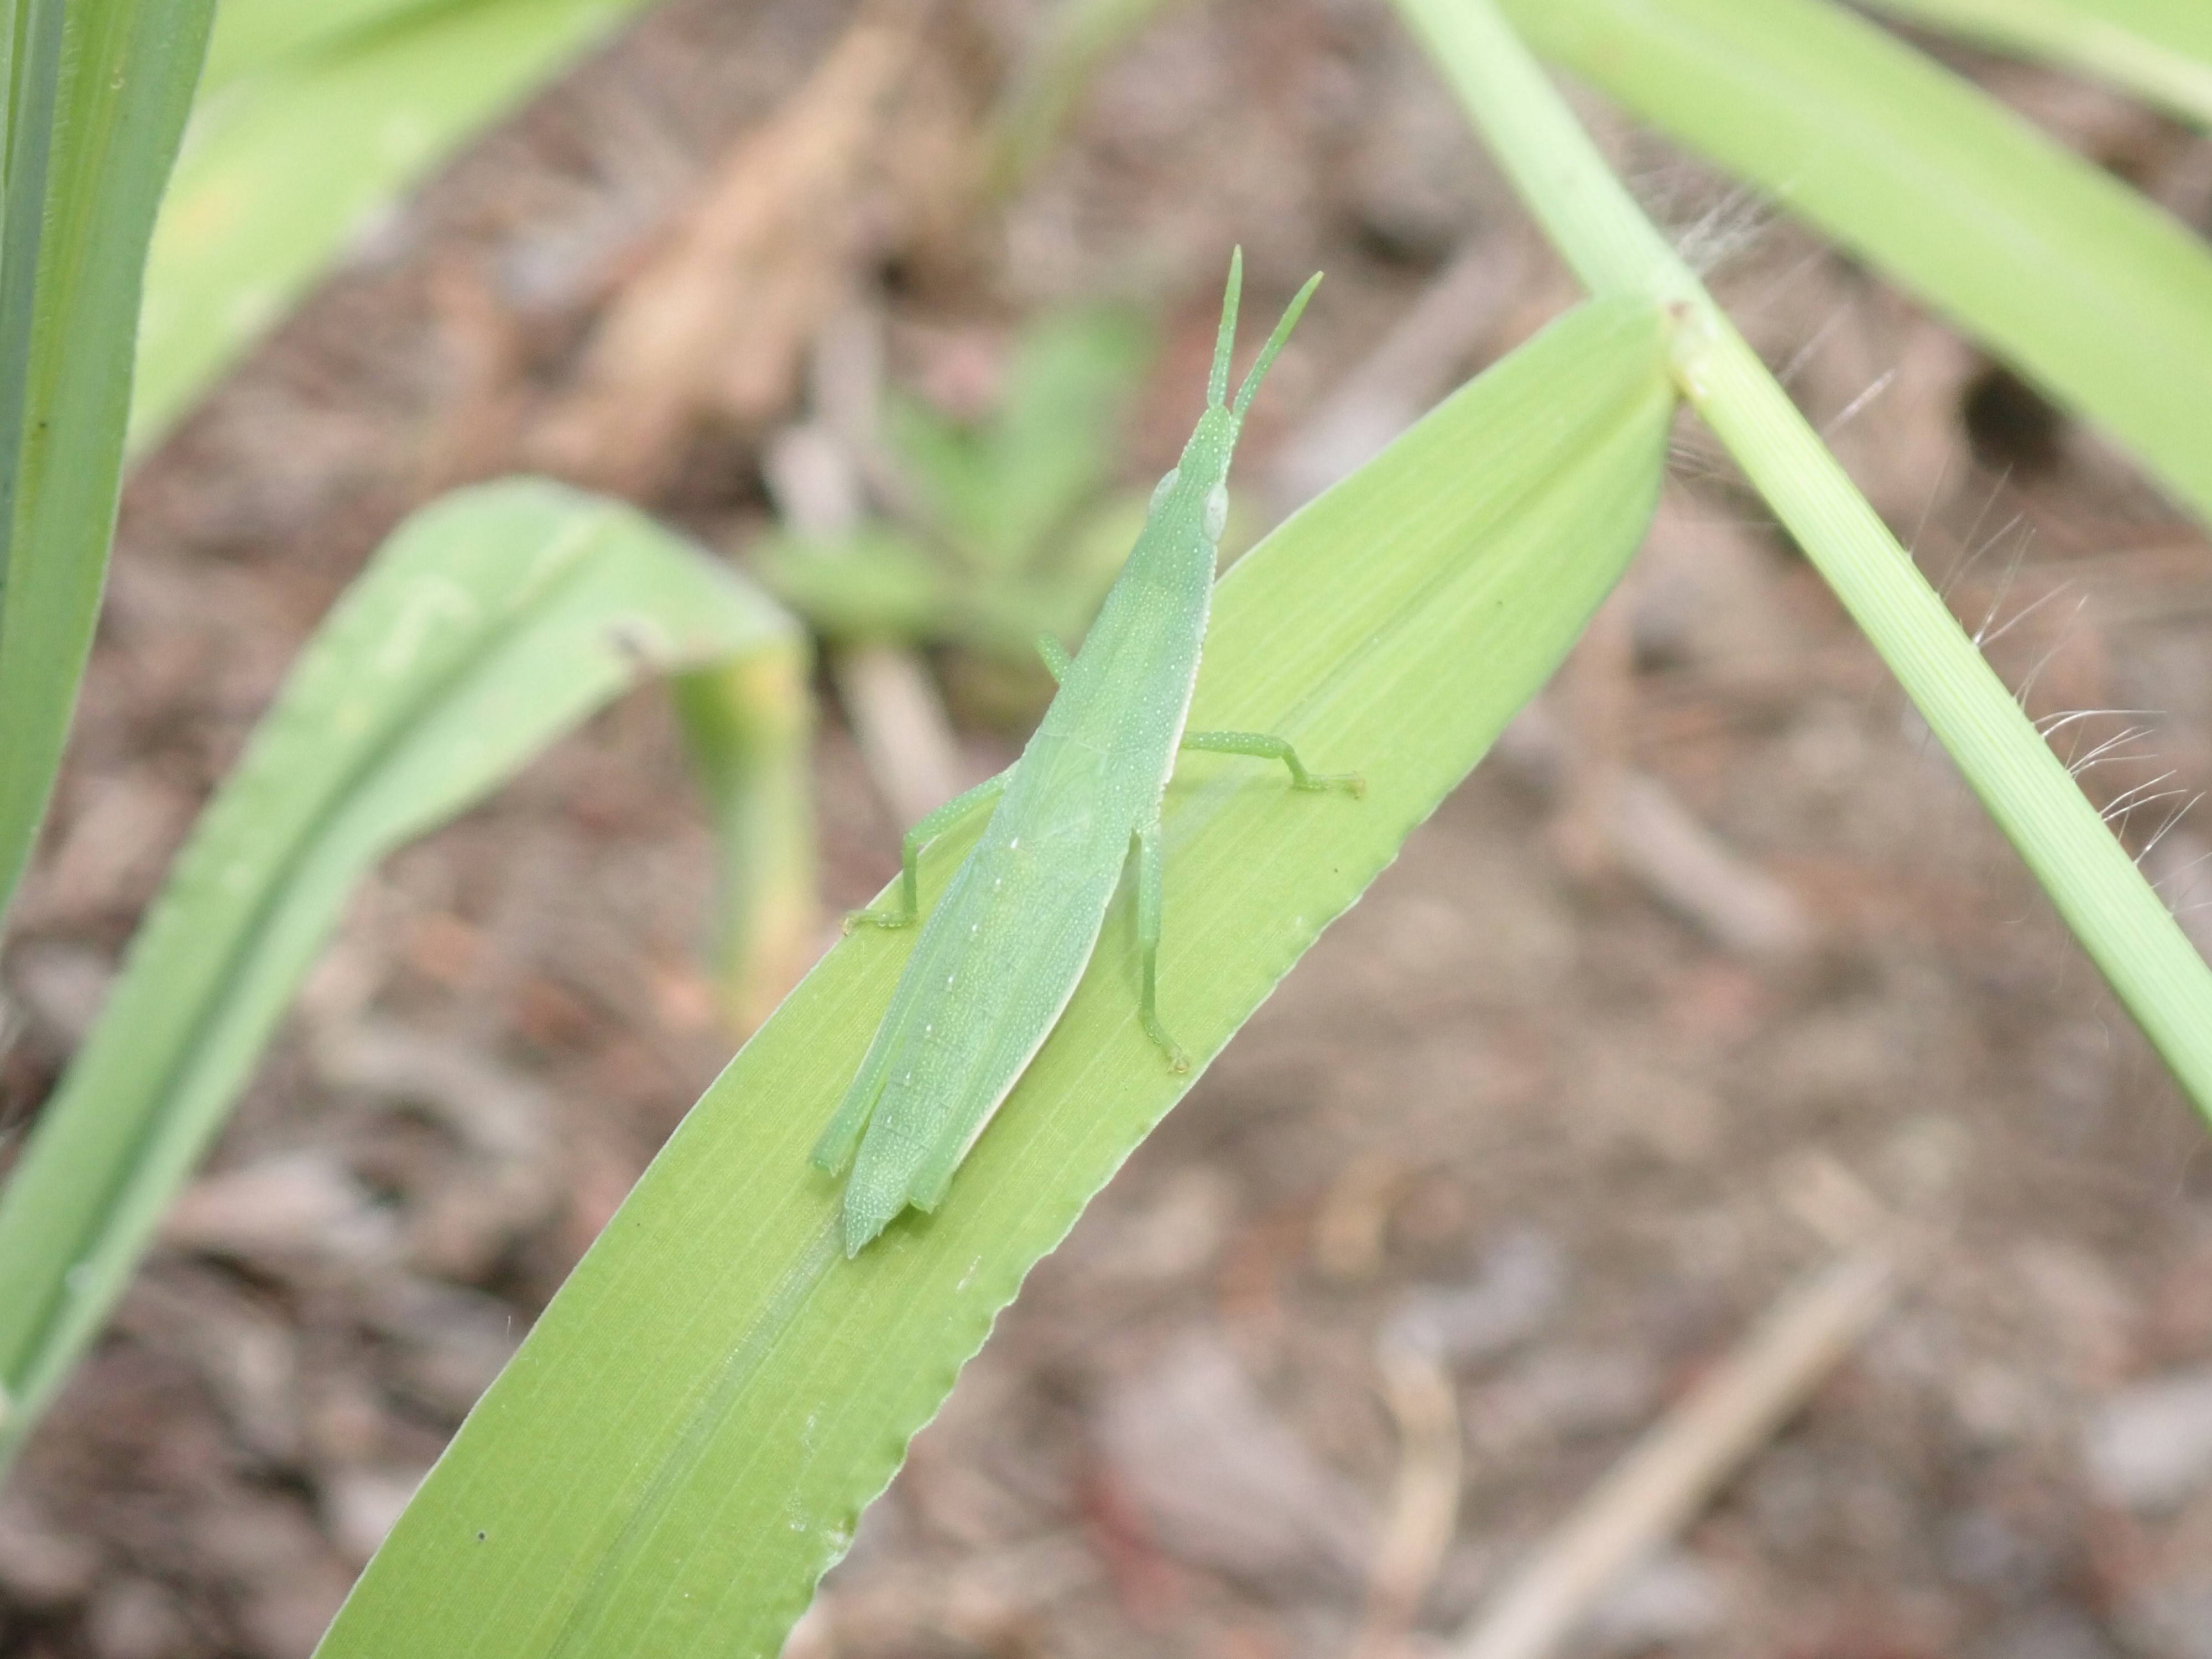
(955, 811)
(1260, 746)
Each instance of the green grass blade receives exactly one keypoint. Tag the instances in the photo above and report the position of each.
(1078, 36)
(2097, 297)
(489, 624)
(254, 36)
(2096, 887)
(97, 94)
(749, 723)
(319, 117)
(2159, 50)
(685, 1441)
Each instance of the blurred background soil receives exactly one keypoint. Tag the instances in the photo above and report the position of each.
(1714, 970)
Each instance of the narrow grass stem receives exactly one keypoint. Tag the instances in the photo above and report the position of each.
(1615, 249)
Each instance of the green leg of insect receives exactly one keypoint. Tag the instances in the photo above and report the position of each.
(1057, 662)
(1148, 943)
(1261, 746)
(954, 812)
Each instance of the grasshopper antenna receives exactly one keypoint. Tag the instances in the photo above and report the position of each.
(1275, 344)
(1217, 387)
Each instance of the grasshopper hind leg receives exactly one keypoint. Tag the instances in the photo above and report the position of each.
(834, 1152)
(1148, 944)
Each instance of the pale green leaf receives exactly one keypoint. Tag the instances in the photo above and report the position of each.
(489, 624)
(318, 118)
(686, 1440)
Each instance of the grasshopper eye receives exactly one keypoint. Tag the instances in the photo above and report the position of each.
(1217, 512)
(1163, 488)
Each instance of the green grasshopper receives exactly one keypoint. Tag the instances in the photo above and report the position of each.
(1002, 951)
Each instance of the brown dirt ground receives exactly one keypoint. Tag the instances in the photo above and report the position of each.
(1513, 1092)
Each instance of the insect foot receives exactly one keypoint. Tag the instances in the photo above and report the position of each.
(876, 918)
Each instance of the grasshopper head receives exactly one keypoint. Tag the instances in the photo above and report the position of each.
(1202, 475)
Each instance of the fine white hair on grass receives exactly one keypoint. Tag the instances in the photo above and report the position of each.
(2117, 810)
(1761, 300)
(2048, 724)
(2058, 640)
(1694, 455)
(1920, 525)
(1852, 411)
(1731, 225)
(1986, 635)
(2180, 870)
(1788, 374)
(2171, 818)
(2112, 748)
(1971, 548)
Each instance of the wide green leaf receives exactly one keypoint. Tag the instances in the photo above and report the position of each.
(2088, 290)
(2159, 50)
(317, 117)
(489, 624)
(686, 1440)
(96, 92)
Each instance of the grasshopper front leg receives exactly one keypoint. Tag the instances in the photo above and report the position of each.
(1262, 746)
(955, 811)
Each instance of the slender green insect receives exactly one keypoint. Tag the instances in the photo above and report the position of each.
(1001, 953)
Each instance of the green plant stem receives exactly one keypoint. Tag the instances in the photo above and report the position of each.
(1615, 249)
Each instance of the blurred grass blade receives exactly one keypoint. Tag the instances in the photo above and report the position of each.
(254, 36)
(1078, 36)
(317, 117)
(2159, 50)
(748, 720)
(686, 1440)
(96, 93)
(1000, 489)
(2091, 880)
(2097, 297)
(489, 624)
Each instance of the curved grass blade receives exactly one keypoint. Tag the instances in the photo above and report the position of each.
(686, 1440)
(317, 118)
(2159, 50)
(2097, 297)
(96, 93)
(490, 623)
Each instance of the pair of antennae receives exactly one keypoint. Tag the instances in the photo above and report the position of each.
(1217, 388)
